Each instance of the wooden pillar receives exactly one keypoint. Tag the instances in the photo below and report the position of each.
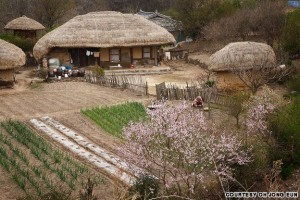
(155, 55)
(131, 55)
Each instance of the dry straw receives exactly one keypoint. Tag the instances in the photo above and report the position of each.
(103, 30)
(242, 55)
(23, 23)
(11, 56)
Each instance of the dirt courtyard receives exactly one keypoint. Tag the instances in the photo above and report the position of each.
(183, 73)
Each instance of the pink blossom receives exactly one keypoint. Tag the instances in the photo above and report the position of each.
(178, 146)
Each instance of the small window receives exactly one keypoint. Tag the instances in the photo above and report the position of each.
(114, 55)
(146, 52)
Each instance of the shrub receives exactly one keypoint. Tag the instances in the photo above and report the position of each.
(99, 71)
(294, 83)
(87, 194)
(255, 171)
(292, 31)
(285, 126)
(236, 106)
(146, 186)
(210, 83)
(23, 43)
(43, 73)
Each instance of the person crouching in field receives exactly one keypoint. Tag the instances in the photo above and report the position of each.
(198, 102)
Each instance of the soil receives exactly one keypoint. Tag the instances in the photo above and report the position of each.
(183, 73)
(58, 98)
(9, 190)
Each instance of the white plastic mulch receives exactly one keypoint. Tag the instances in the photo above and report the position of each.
(91, 146)
(114, 170)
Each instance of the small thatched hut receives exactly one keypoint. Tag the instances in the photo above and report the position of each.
(11, 57)
(105, 38)
(239, 56)
(242, 55)
(24, 27)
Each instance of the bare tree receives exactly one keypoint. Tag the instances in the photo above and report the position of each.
(206, 78)
(265, 20)
(86, 6)
(271, 19)
(133, 6)
(258, 73)
(11, 9)
(52, 12)
(127, 6)
(240, 25)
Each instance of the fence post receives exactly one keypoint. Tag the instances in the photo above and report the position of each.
(147, 89)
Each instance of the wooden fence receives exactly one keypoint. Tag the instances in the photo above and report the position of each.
(134, 83)
(173, 92)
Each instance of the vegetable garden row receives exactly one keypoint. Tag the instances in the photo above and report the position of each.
(85, 149)
(37, 166)
(113, 119)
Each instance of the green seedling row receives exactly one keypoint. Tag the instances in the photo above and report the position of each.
(20, 173)
(114, 118)
(29, 176)
(39, 147)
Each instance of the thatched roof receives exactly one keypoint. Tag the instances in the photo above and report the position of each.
(241, 55)
(11, 56)
(103, 30)
(24, 23)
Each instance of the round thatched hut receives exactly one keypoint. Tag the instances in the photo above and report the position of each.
(24, 27)
(12, 57)
(105, 38)
(242, 55)
(239, 56)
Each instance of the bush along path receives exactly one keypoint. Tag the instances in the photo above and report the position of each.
(99, 157)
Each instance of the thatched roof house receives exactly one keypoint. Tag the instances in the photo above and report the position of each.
(11, 57)
(106, 38)
(24, 26)
(241, 55)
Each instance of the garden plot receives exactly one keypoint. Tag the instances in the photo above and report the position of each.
(81, 150)
(36, 166)
(84, 142)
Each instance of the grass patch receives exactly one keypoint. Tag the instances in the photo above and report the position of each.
(112, 119)
(36, 85)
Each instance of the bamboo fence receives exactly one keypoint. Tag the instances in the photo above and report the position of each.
(208, 94)
(134, 83)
